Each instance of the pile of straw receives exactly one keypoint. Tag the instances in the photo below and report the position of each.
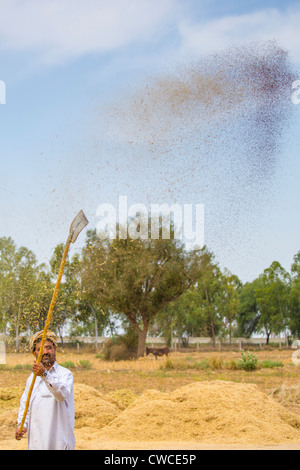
(206, 411)
(214, 413)
(288, 396)
(122, 397)
(9, 407)
(91, 408)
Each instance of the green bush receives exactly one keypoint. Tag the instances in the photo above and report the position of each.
(232, 365)
(22, 367)
(216, 363)
(119, 352)
(248, 361)
(85, 364)
(268, 364)
(68, 364)
(202, 365)
(169, 364)
(123, 347)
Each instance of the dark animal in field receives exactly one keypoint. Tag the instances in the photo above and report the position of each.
(157, 351)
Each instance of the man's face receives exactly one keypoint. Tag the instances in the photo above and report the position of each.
(49, 354)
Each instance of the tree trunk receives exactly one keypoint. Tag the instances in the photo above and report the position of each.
(96, 326)
(17, 336)
(213, 338)
(17, 329)
(142, 334)
(96, 333)
(61, 336)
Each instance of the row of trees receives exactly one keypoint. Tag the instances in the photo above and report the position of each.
(149, 286)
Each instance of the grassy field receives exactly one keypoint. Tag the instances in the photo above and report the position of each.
(274, 367)
(274, 370)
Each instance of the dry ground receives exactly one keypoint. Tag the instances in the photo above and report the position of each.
(164, 375)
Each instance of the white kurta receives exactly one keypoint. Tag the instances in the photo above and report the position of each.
(50, 417)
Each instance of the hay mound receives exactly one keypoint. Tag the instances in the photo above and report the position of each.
(9, 407)
(288, 396)
(10, 396)
(122, 398)
(211, 411)
(91, 408)
(8, 422)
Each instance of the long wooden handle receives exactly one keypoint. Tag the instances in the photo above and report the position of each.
(60, 274)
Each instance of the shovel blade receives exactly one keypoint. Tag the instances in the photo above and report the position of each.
(77, 225)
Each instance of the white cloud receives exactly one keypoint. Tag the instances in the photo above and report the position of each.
(62, 29)
(262, 25)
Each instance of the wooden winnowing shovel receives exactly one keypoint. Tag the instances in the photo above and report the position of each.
(77, 225)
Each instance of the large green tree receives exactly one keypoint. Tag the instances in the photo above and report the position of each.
(18, 269)
(136, 278)
(248, 315)
(206, 276)
(228, 301)
(182, 318)
(273, 300)
(92, 317)
(68, 294)
(294, 322)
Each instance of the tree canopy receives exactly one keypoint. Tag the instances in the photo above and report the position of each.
(146, 285)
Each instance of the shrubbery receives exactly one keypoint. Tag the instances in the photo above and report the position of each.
(121, 347)
(248, 361)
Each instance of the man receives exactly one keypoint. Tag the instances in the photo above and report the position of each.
(50, 417)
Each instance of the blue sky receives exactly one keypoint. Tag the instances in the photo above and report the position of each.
(70, 137)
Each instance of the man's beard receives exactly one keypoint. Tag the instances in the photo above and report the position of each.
(48, 360)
